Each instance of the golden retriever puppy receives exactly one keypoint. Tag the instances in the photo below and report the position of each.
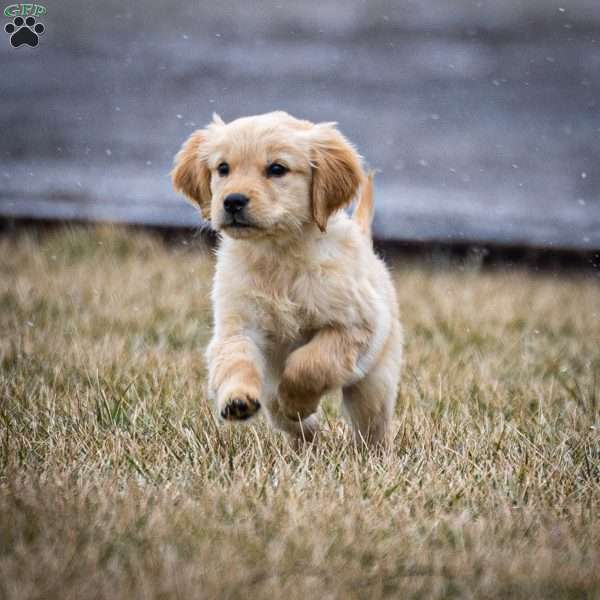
(302, 305)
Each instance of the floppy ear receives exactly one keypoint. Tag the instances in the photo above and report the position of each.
(191, 175)
(336, 172)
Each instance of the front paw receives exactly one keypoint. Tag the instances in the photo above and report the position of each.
(297, 406)
(297, 412)
(239, 407)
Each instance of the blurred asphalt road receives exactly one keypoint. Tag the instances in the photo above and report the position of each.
(483, 120)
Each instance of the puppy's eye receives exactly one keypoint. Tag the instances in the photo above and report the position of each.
(223, 169)
(276, 170)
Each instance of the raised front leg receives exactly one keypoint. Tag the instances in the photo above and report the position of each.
(235, 376)
(329, 360)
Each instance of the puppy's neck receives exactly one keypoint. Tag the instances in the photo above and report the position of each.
(285, 251)
(279, 243)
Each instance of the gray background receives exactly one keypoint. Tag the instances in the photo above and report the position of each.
(482, 116)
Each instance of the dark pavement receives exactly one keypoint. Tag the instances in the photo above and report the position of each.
(482, 120)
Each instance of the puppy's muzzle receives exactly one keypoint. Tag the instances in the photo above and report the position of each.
(235, 203)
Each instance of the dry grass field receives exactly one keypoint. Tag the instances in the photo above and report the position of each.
(116, 481)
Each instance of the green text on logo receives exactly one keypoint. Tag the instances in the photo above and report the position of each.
(24, 10)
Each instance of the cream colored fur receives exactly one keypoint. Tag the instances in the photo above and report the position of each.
(302, 305)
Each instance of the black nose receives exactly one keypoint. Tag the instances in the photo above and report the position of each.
(234, 203)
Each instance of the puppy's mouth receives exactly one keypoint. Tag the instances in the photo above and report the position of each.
(236, 222)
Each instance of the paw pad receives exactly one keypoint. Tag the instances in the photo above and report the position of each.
(240, 409)
(24, 31)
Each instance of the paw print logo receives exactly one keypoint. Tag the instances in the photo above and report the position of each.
(24, 31)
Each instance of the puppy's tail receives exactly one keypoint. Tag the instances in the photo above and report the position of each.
(363, 213)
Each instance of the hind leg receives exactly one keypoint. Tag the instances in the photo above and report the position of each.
(369, 404)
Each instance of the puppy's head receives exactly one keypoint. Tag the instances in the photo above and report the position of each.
(267, 175)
